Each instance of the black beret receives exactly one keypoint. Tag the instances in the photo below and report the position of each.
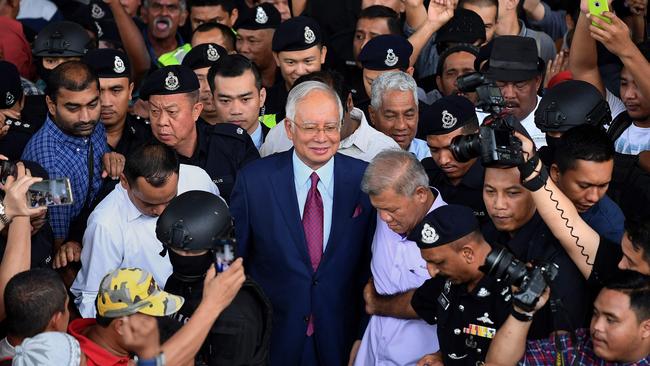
(464, 27)
(296, 34)
(447, 114)
(11, 90)
(263, 16)
(175, 79)
(204, 55)
(386, 52)
(108, 63)
(444, 225)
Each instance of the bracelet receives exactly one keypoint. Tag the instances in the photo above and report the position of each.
(537, 182)
(158, 361)
(522, 317)
(528, 168)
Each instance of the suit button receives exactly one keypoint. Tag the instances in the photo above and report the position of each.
(306, 319)
(314, 282)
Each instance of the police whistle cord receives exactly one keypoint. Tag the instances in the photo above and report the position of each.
(566, 223)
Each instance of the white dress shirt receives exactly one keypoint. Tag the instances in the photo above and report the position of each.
(420, 149)
(118, 235)
(363, 144)
(397, 267)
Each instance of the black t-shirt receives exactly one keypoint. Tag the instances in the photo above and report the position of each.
(467, 321)
(608, 256)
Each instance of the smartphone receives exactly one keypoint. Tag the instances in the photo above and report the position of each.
(54, 192)
(224, 255)
(597, 8)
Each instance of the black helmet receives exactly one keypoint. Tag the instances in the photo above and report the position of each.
(569, 104)
(61, 39)
(194, 220)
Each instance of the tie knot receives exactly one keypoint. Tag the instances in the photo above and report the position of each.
(314, 179)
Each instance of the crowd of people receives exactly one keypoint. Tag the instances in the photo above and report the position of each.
(341, 182)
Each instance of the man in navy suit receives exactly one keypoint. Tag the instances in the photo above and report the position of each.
(304, 229)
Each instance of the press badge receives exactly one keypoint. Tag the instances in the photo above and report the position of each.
(443, 301)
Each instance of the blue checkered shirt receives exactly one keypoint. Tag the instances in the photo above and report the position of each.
(63, 155)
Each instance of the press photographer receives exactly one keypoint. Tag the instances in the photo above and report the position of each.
(619, 331)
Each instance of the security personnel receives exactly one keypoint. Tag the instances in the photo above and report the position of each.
(458, 182)
(383, 54)
(196, 229)
(200, 59)
(222, 149)
(467, 306)
(298, 50)
(566, 105)
(14, 131)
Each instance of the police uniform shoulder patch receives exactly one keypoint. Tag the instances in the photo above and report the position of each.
(391, 58)
(310, 37)
(171, 82)
(260, 16)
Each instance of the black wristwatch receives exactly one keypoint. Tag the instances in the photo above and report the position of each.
(522, 317)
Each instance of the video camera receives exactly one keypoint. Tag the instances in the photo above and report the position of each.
(532, 281)
(495, 142)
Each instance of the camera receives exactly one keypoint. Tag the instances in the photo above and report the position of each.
(532, 281)
(495, 142)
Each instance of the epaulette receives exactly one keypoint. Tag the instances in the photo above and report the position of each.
(20, 126)
(230, 130)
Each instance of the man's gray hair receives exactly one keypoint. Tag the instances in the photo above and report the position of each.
(392, 80)
(181, 4)
(396, 169)
(300, 91)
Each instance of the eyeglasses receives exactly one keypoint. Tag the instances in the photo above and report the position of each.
(311, 129)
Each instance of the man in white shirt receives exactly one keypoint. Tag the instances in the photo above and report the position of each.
(517, 71)
(394, 111)
(402, 201)
(121, 230)
(358, 139)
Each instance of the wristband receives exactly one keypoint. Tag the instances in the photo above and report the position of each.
(528, 168)
(537, 182)
(158, 361)
(522, 317)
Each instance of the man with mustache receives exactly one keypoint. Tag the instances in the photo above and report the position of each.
(71, 143)
(163, 17)
(459, 183)
(517, 71)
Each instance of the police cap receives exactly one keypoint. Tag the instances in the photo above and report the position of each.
(444, 225)
(204, 55)
(447, 114)
(194, 220)
(386, 52)
(263, 16)
(296, 34)
(11, 90)
(175, 79)
(108, 63)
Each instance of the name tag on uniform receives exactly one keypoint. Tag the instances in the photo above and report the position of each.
(443, 301)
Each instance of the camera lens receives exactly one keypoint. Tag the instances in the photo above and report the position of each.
(497, 262)
(465, 147)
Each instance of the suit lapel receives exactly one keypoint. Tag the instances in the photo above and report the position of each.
(345, 199)
(284, 191)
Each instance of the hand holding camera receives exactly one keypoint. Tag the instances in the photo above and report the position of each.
(16, 188)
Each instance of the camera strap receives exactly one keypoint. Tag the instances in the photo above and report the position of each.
(556, 306)
(91, 173)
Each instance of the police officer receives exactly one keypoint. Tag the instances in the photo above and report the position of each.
(14, 132)
(382, 54)
(222, 149)
(566, 105)
(199, 59)
(298, 50)
(467, 305)
(458, 182)
(196, 229)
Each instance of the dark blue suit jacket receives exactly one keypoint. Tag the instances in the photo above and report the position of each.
(271, 240)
